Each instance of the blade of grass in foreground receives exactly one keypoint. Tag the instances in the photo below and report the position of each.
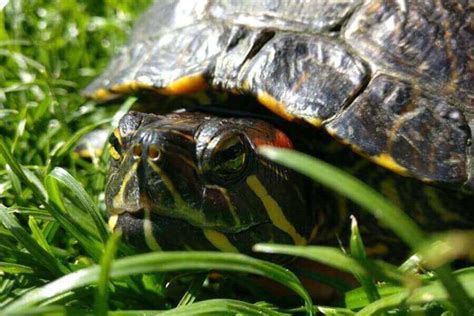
(67, 147)
(207, 307)
(19, 171)
(358, 251)
(102, 293)
(373, 202)
(335, 258)
(220, 307)
(8, 267)
(83, 199)
(356, 299)
(90, 245)
(423, 295)
(44, 258)
(193, 291)
(325, 310)
(165, 262)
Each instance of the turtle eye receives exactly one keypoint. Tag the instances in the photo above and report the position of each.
(115, 147)
(229, 158)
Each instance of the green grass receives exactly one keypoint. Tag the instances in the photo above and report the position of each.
(56, 254)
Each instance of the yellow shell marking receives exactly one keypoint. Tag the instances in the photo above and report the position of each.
(148, 232)
(279, 108)
(382, 159)
(314, 121)
(103, 95)
(274, 105)
(89, 152)
(124, 88)
(185, 85)
(219, 240)
(274, 211)
(388, 162)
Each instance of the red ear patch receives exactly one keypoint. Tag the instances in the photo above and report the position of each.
(279, 139)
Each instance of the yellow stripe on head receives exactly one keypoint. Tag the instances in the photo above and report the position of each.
(148, 232)
(118, 136)
(219, 240)
(274, 211)
(181, 208)
(113, 152)
(178, 200)
(230, 206)
(112, 222)
(119, 198)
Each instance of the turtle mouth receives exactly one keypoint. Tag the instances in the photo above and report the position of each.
(120, 211)
(140, 213)
(116, 214)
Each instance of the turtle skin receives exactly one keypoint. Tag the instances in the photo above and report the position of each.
(194, 180)
(394, 80)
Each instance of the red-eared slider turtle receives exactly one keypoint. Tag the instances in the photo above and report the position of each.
(391, 79)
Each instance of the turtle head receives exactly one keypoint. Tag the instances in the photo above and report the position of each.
(190, 180)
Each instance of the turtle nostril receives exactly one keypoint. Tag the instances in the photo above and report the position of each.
(153, 152)
(137, 151)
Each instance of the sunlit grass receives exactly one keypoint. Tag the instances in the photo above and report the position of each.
(58, 256)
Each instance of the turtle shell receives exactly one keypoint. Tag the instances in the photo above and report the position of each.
(393, 79)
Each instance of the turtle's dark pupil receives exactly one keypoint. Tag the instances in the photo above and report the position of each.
(230, 158)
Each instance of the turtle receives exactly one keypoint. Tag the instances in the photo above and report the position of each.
(391, 81)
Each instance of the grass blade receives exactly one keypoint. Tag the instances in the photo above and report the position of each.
(165, 262)
(423, 295)
(34, 181)
(191, 294)
(42, 256)
(56, 208)
(89, 245)
(222, 307)
(335, 258)
(67, 147)
(357, 298)
(102, 293)
(37, 234)
(327, 255)
(85, 202)
(358, 252)
(446, 247)
(18, 170)
(7, 267)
